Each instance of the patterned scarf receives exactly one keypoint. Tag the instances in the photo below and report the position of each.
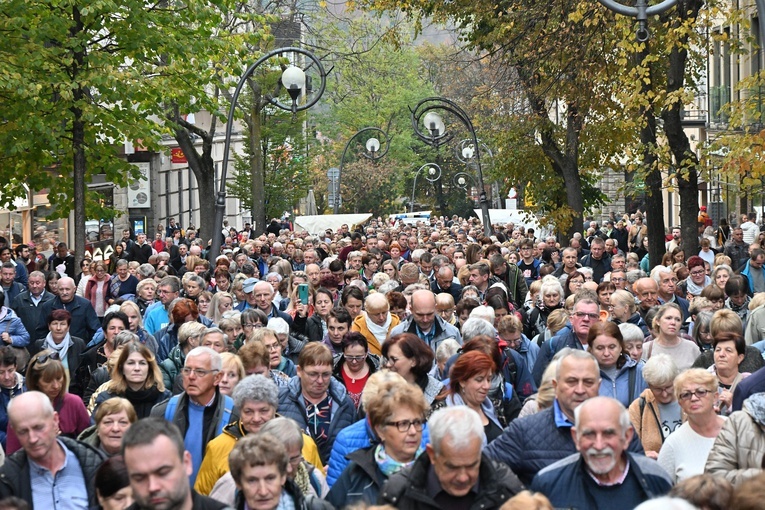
(388, 465)
(302, 479)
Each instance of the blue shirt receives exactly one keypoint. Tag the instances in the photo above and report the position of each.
(561, 421)
(66, 490)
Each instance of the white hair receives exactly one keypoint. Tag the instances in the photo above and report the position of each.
(483, 312)
(279, 325)
(666, 503)
(475, 326)
(459, 423)
(215, 361)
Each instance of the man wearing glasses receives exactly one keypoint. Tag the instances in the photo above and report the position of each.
(200, 411)
(317, 401)
(156, 317)
(586, 313)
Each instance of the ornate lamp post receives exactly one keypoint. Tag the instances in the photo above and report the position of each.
(641, 11)
(293, 80)
(434, 173)
(426, 113)
(373, 153)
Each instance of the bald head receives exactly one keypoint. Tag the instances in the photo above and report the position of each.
(424, 309)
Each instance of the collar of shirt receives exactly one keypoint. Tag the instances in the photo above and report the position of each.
(42, 469)
(427, 337)
(561, 420)
(618, 481)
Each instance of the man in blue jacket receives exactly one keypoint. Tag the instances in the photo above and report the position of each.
(532, 443)
(603, 471)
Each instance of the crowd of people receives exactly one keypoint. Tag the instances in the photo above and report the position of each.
(420, 365)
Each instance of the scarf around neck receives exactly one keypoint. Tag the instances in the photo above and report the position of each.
(694, 289)
(61, 348)
(379, 332)
(388, 465)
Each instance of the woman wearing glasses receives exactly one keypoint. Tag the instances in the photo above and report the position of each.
(397, 415)
(136, 377)
(667, 324)
(354, 366)
(697, 280)
(685, 452)
(656, 413)
(46, 374)
(189, 335)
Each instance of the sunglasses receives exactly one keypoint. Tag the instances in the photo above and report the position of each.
(47, 357)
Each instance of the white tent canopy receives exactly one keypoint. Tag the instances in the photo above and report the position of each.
(518, 217)
(319, 223)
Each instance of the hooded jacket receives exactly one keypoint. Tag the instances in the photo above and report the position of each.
(739, 450)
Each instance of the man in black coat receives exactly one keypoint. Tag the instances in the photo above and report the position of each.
(464, 477)
(84, 319)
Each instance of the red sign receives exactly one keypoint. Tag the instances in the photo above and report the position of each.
(177, 155)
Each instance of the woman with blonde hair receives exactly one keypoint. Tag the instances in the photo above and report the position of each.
(685, 452)
(112, 419)
(136, 377)
(135, 320)
(221, 303)
(233, 372)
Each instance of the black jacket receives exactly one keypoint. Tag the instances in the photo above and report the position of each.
(407, 489)
(361, 480)
(31, 316)
(15, 478)
(84, 319)
(73, 358)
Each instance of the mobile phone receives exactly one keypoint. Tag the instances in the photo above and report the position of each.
(303, 293)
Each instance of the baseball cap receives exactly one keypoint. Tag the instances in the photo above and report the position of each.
(248, 285)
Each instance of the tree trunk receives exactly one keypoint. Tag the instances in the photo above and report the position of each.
(654, 202)
(203, 167)
(686, 160)
(79, 170)
(259, 220)
(79, 162)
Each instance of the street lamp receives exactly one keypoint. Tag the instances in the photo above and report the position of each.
(293, 80)
(373, 153)
(434, 173)
(641, 11)
(461, 180)
(436, 134)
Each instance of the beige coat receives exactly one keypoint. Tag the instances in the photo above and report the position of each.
(739, 449)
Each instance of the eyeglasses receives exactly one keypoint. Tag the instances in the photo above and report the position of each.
(700, 393)
(199, 372)
(582, 315)
(296, 460)
(273, 347)
(698, 273)
(47, 357)
(617, 279)
(318, 375)
(356, 358)
(667, 390)
(404, 425)
(250, 326)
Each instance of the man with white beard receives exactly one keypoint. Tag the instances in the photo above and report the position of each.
(603, 471)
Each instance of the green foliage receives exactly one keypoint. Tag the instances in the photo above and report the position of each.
(285, 164)
(374, 81)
